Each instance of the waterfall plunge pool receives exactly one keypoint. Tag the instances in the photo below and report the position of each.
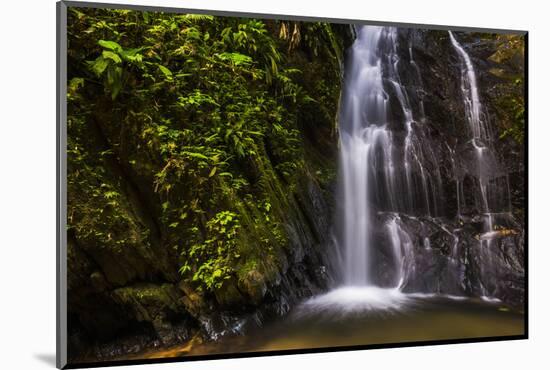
(351, 316)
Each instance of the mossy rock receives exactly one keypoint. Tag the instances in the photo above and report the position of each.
(148, 301)
(229, 295)
(192, 300)
(253, 283)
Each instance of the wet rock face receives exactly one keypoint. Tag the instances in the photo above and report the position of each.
(453, 257)
(456, 225)
(452, 251)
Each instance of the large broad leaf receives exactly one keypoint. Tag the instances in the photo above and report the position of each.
(99, 65)
(167, 73)
(132, 55)
(114, 80)
(110, 55)
(110, 45)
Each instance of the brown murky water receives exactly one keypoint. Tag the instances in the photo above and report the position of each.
(318, 326)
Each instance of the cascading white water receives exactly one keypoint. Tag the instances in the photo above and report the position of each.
(368, 175)
(374, 178)
(402, 249)
(470, 93)
(472, 106)
(490, 190)
(390, 184)
(364, 139)
(390, 178)
(480, 134)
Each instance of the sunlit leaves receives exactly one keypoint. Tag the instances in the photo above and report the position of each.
(194, 18)
(99, 65)
(73, 86)
(132, 55)
(112, 56)
(509, 67)
(196, 99)
(204, 112)
(218, 251)
(235, 58)
(165, 71)
(213, 171)
(114, 80)
(110, 45)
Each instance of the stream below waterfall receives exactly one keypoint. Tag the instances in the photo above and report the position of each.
(343, 318)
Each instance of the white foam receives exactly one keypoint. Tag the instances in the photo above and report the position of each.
(366, 300)
(490, 299)
(436, 295)
(350, 300)
(489, 235)
(455, 297)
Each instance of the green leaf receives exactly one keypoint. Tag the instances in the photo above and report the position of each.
(75, 83)
(211, 138)
(110, 45)
(196, 155)
(198, 17)
(99, 66)
(212, 172)
(114, 80)
(132, 55)
(235, 58)
(184, 269)
(167, 73)
(110, 55)
(255, 133)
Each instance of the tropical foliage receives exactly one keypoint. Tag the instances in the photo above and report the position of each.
(185, 134)
(509, 58)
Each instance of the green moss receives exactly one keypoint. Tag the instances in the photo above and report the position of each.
(148, 300)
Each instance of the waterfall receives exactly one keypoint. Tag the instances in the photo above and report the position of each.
(470, 94)
(493, 186)
(380, 172)
(494, 193)
(363, 135)
(479, 134)
(393, 233)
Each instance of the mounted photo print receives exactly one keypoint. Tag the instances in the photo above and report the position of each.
(235, 184)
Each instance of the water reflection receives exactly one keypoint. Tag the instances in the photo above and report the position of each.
(371, 317)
